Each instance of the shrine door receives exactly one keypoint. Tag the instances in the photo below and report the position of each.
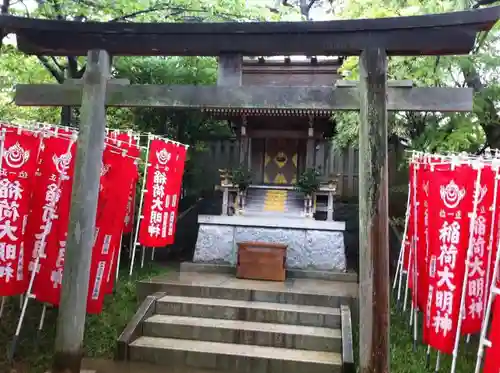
(280, 161)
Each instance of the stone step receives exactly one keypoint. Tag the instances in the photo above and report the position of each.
(235, 358)
(244, 332)
(273, 214)
(259, 191)
(285, 212)
(287, 199)
(228, 309)
(309, 292)
(261, 204)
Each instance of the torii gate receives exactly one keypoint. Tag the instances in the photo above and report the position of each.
(373, 40)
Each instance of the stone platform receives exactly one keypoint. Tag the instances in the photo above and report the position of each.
(312, 244)
(300, 287)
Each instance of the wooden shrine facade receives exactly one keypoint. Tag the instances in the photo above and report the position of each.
(371, 39)
(276, 145)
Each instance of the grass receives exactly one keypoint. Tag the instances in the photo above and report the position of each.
(34, 353)
(404, 360)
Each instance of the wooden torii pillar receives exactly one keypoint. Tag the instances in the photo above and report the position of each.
(81, 229)
(374, 278)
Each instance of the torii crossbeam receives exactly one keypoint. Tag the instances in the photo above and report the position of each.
(340, 97)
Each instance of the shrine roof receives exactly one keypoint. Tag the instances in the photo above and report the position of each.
(236, 112)
(434, 34)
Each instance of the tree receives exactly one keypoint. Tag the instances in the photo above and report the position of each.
(125, 11)
(16, 67)
(188, 127)
(4, 10)
(305, 7)
(471, 132)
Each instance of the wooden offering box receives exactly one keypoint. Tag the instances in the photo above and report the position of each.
(261, 261)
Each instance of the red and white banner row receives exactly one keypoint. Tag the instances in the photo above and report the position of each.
(450, 249)
(36, 177)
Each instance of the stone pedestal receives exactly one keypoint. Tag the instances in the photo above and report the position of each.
(311, 244)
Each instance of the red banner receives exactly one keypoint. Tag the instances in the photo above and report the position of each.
(493, 242)
(128, 221)
(174, 189)
(426, 298)
(130, 143)
(117, 241)
(491, 360)
(420, 242)
(422, 237)
(160, 172)
(18, 166)
(117, 174)
(450, 195)
(127, 142)
(476, 278)
(49, 217)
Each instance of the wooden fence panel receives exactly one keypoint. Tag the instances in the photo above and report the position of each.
(343, 163)
(221, 154)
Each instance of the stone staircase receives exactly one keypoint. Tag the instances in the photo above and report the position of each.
(279, 202)
(239, 329)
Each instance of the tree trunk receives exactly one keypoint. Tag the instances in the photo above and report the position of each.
(304, 9)
(4, 9)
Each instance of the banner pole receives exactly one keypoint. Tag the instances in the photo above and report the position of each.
(40, 324)
(131, 239)
(428, 357)
(2, 306)
(438, 362)
(143, 255)
(131, 244)
(139, 215)
(42, 318)
(416, 205)
(413, 242)
(143, 251)
(398, 278)
(483, 341)
(477, 187)
(400, 257)
(118, 259)
(410, 263)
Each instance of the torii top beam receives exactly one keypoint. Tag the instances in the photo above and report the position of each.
(435, 34)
